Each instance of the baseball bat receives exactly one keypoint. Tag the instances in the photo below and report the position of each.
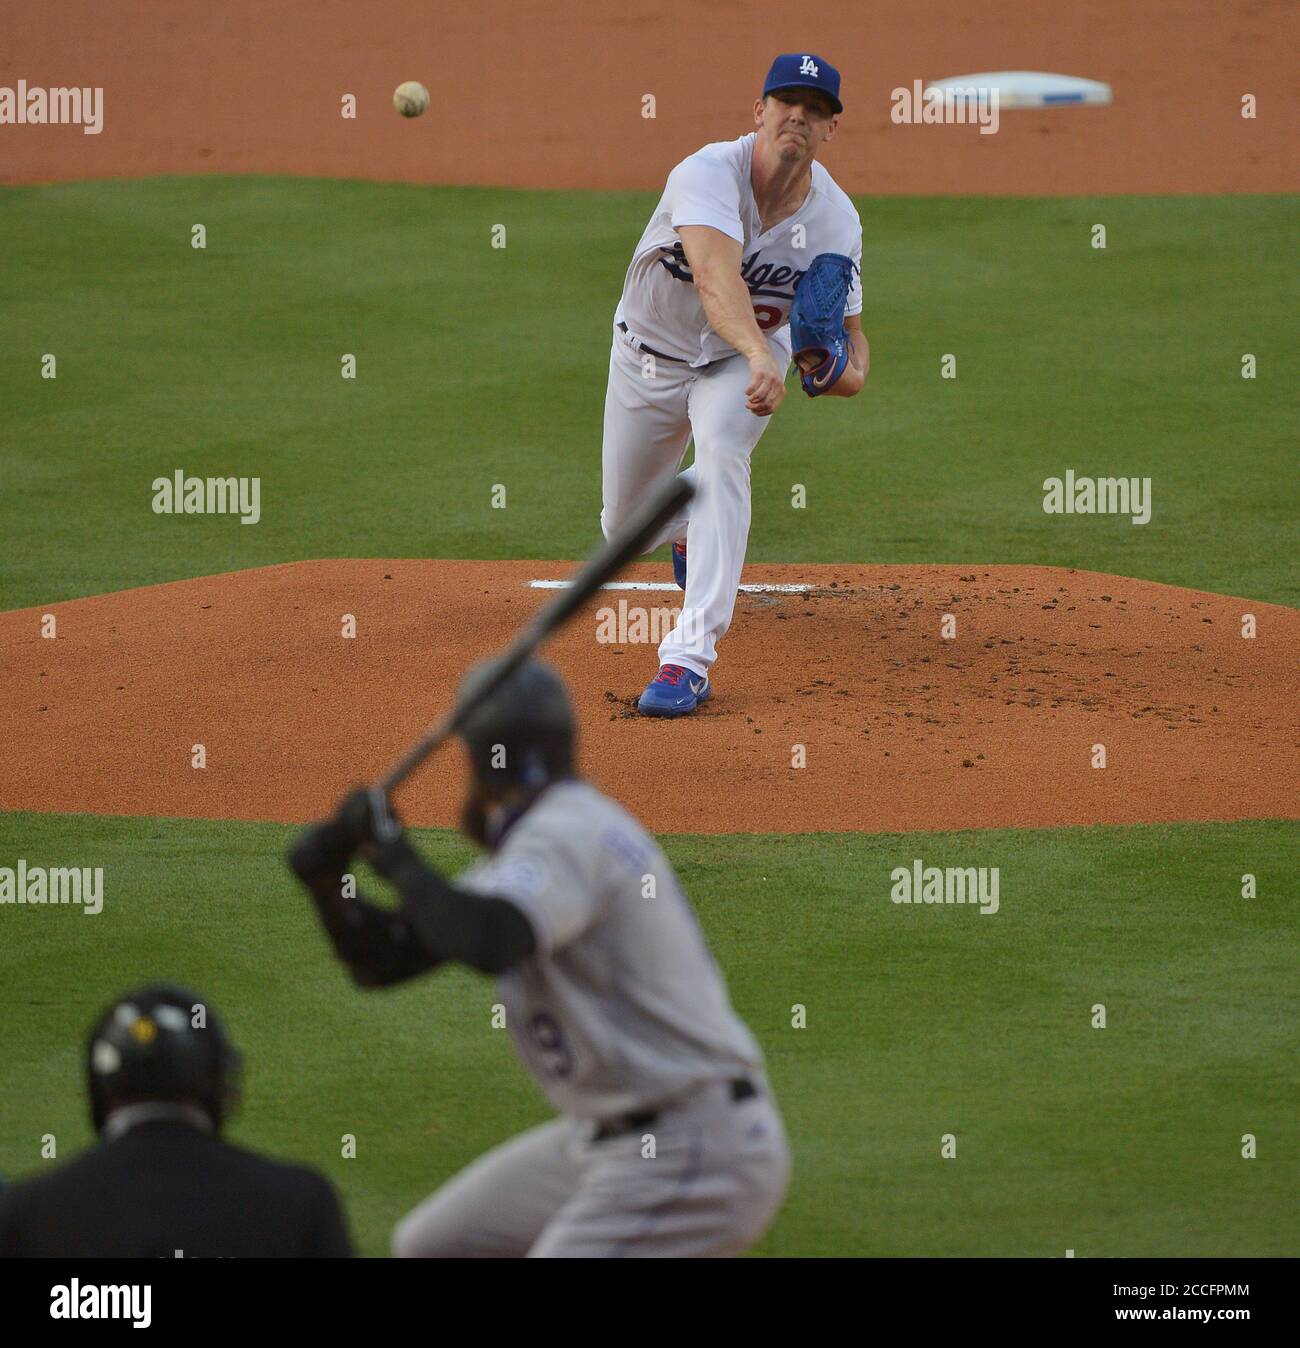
(610, 558)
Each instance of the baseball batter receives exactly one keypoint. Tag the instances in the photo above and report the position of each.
(667, 1140)
(702, 342)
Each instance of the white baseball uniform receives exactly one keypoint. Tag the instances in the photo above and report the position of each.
(695, 386)
(620, 1011)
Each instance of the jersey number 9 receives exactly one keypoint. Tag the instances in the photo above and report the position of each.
(548, 1040)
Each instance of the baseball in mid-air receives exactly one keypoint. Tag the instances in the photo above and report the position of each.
(411, 98)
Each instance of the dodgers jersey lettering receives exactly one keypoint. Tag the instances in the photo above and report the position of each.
(622, 1006)
(713, 187)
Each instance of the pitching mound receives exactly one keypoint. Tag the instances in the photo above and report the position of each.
(900, 728)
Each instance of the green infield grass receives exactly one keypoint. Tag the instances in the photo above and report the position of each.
(478, 366)
(920, 1021)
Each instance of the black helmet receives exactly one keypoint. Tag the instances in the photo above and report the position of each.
(523, 734)
(148, 1047)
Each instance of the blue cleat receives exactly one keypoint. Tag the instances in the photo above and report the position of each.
(674, 691)
(679, 565)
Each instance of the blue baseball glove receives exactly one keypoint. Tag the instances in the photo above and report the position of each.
(817, 328)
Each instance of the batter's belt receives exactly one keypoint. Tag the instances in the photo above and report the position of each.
(741, 1088)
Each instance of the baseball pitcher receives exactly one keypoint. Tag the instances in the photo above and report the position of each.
(667, 1142)
(751, 252)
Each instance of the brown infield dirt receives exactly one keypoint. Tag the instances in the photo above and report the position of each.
(550, 95)
(902, 729)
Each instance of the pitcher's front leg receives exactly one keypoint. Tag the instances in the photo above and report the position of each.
(725, 434)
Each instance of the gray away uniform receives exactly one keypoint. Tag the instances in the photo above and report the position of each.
(621, 1011)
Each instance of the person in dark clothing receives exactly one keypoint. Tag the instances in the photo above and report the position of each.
(161, 1183)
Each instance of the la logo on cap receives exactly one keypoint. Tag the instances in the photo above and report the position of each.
(807, 66)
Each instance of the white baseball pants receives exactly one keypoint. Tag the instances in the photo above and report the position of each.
(653, 408)
(712, 1187)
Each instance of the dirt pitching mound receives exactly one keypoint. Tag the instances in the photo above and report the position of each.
(896, 727)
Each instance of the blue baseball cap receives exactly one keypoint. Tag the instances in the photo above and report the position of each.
(802, 70)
